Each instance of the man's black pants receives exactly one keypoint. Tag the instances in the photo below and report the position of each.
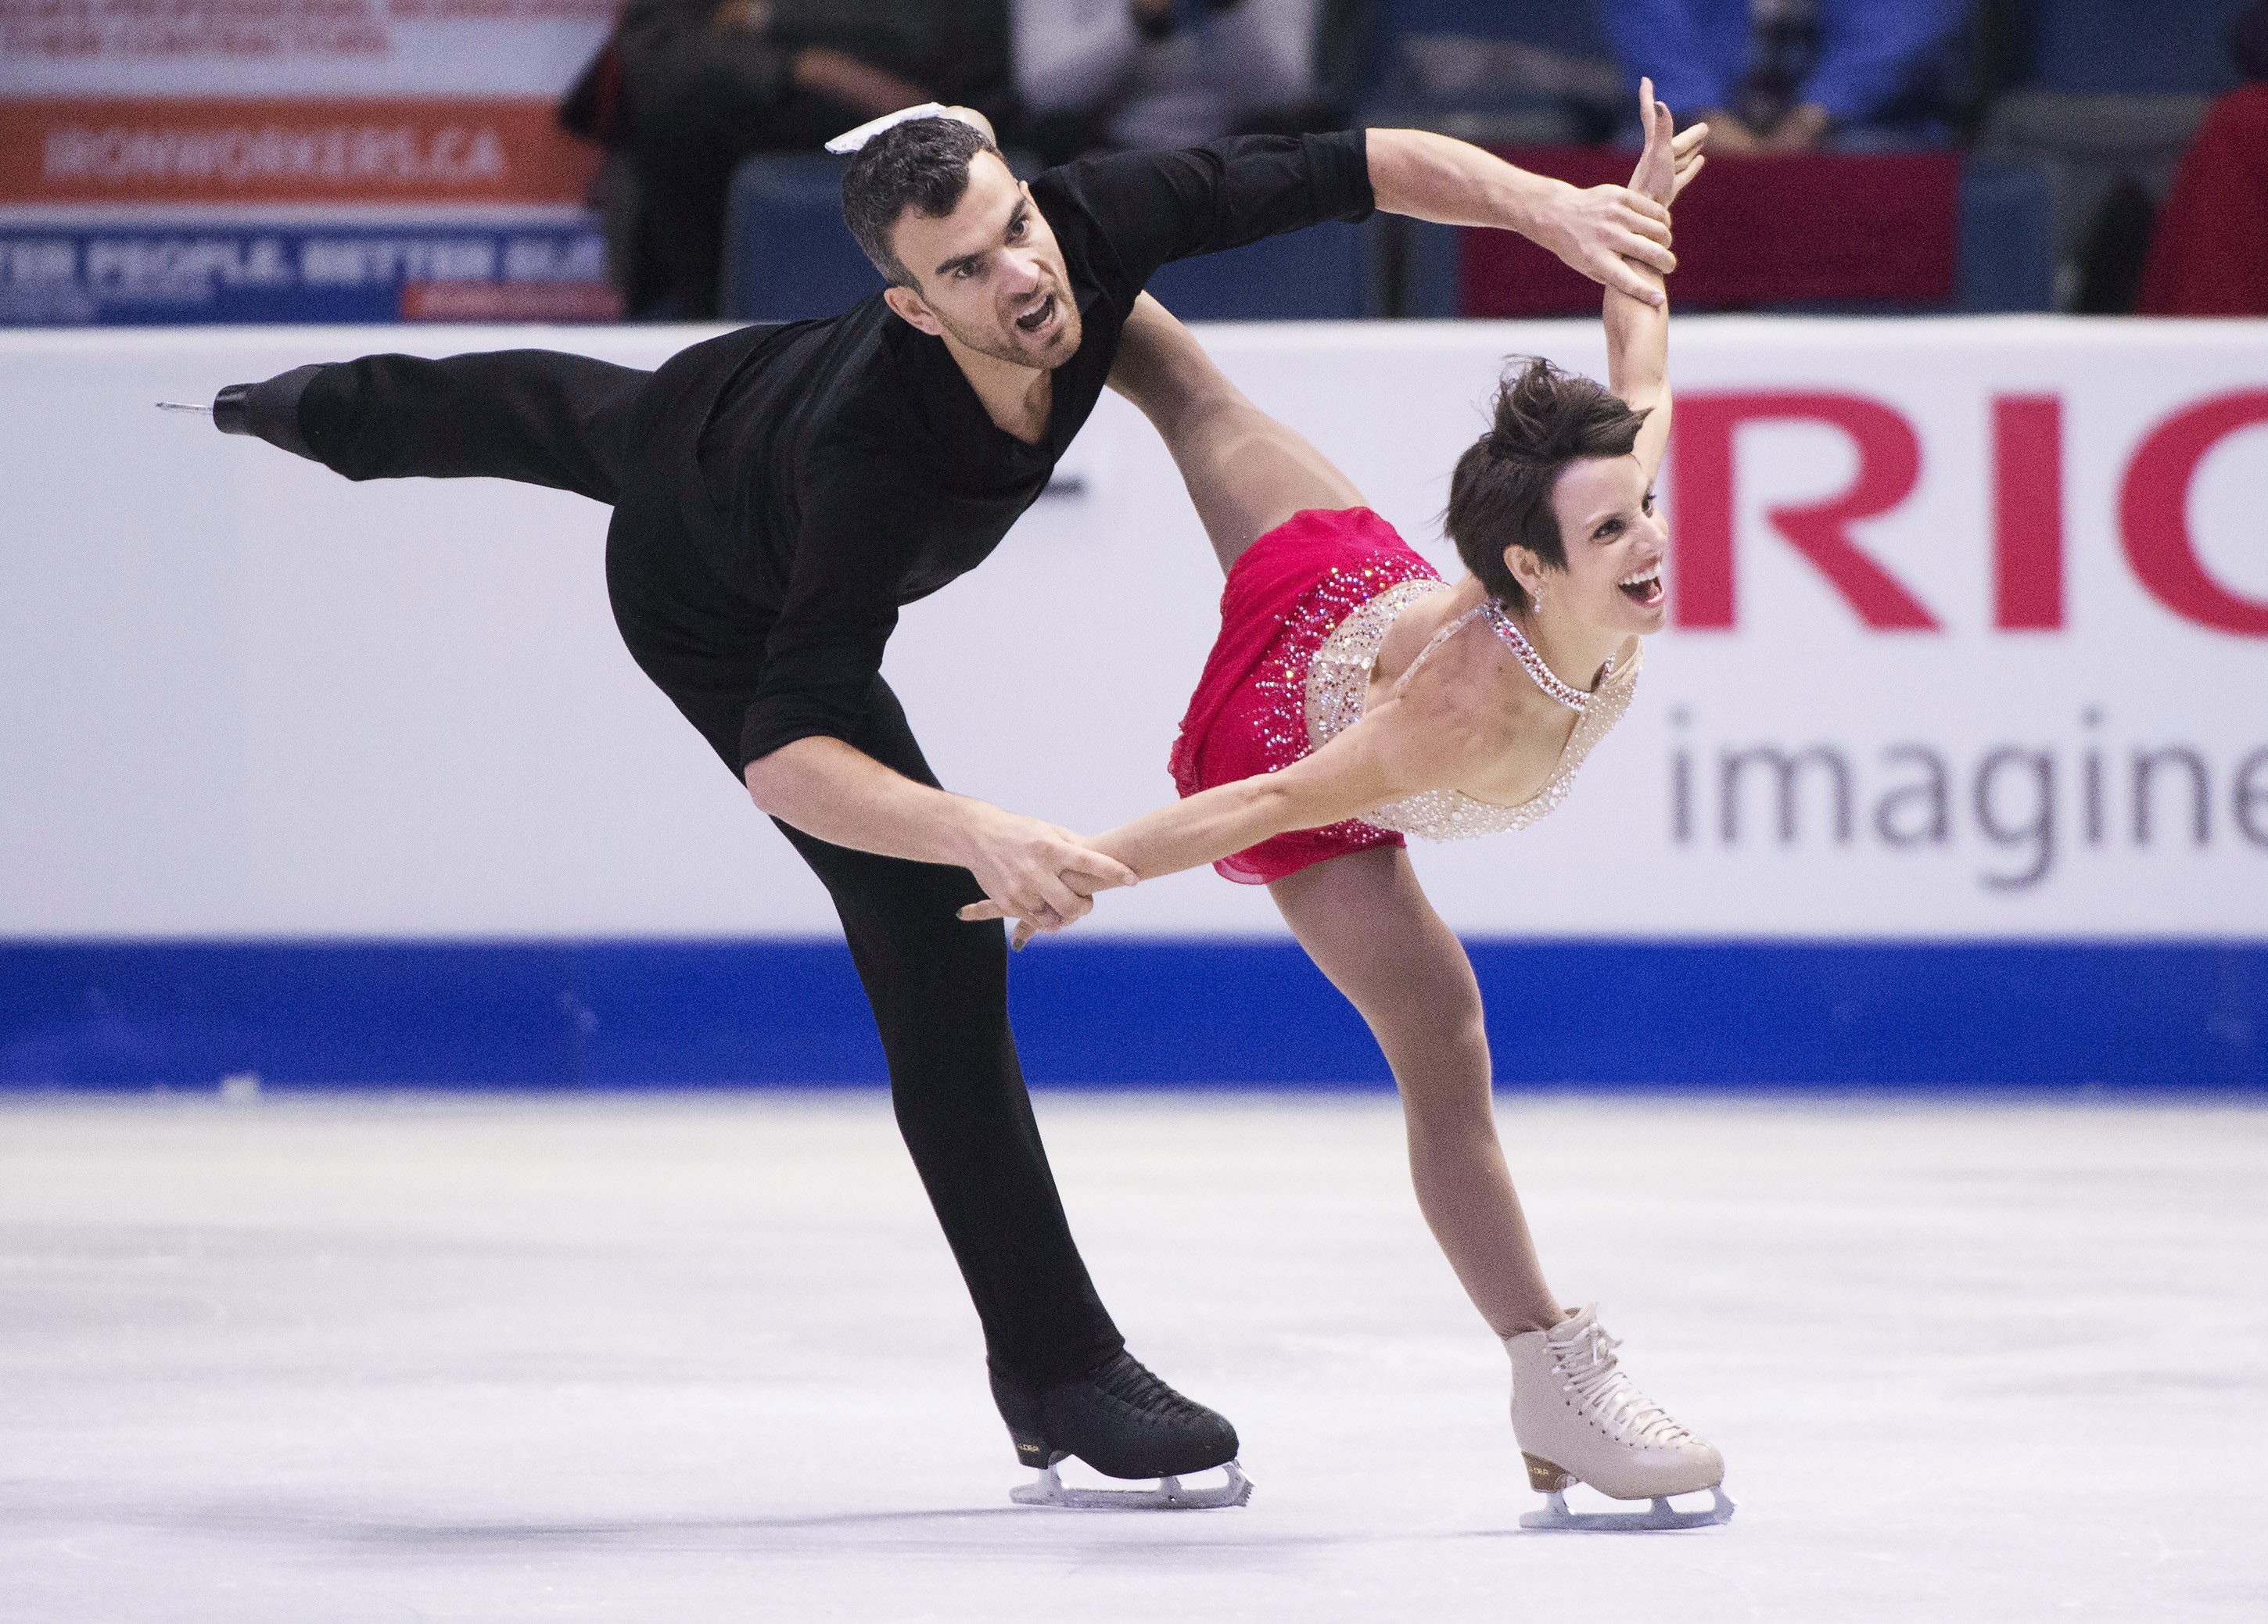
(939, 987)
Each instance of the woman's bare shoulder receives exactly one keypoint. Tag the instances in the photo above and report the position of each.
(1474, 690)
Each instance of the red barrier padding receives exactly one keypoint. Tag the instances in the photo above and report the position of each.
(1753, 230)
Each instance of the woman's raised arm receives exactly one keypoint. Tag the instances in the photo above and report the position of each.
(1638, 333)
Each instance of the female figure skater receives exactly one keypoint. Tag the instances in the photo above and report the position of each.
(1354, 696)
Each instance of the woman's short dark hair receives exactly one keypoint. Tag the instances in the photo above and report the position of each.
(1501, 491)
(921, 163)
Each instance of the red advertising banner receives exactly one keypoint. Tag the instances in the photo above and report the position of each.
(176, 151)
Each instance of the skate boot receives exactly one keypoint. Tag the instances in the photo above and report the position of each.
(1124, 1422)
(267, 411)
(1578, 1418)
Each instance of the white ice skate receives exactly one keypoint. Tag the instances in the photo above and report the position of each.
(1171, 1494)
(1578, 1418)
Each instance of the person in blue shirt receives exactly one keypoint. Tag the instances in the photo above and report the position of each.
(1790, 76)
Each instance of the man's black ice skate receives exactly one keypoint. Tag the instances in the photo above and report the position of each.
(267, 411)
(1124, 1422)
(232, 409)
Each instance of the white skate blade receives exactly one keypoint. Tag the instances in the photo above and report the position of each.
(1170, 1495)
(1660, 1517)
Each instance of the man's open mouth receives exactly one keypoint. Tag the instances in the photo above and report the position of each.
(1644, 590)
(1040, 314)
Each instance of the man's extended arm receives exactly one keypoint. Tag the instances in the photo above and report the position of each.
(1153, 207)
(822, 659)
(840, 794)
(1599, 231)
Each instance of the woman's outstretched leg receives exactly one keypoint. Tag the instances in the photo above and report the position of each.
(1365, 922)
(1246, 472)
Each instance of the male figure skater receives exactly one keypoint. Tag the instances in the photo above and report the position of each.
(778, 493)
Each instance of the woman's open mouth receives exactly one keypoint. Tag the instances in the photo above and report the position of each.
(1644, 590)
(1038, 317)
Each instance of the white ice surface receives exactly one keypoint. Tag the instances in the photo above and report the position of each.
(695, 1358)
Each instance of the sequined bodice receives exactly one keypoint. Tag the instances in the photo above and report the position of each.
(1338, 684)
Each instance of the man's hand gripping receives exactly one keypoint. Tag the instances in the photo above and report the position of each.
(1605, 231)
(1039, 874)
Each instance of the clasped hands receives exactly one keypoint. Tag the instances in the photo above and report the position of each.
(1038, 873)
(1614, 234)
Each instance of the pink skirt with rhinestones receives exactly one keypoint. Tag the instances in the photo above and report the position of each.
(1286, 594)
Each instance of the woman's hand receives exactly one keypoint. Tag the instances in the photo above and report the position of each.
(1045, 917)
(1605, 231)
(1670, 160)
(1035, 871)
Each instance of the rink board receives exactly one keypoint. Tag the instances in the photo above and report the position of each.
(1953, 765)
(2137, 1017)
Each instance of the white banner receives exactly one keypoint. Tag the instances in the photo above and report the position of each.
(298, 47)
(1971, 642)
(225, 104)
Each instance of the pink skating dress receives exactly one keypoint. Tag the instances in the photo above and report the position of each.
(1301, 619)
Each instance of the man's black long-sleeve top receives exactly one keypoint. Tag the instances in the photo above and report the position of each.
(852, 469)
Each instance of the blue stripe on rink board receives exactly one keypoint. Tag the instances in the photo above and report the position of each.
(1828, 1015)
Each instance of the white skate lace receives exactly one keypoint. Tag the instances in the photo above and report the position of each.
(1588, 1364)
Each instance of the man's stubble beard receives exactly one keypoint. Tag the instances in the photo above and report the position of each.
(992, 344)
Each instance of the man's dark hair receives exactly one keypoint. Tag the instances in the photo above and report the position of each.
(921, 163)
(1501, 492)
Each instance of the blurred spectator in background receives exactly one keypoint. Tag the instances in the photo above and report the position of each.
(1789, 76)
(686, 89)
(1160, 73)
(2209, 256)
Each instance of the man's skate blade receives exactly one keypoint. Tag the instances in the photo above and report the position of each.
(1170, 1493)
(1660, 1517)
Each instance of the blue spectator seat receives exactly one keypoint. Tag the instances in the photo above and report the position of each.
(2007, 259)
(1323, 274)
(2096, 48)
(788, 256)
